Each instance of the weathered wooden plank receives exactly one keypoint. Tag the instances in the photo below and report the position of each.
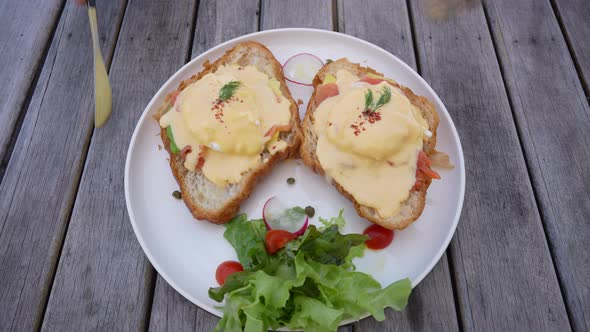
(553, 116)
(432, 305)
(367, 22)
(574, 16)
(103, 280)
(24, 35)
(503, 271)
(217, 21)
(172, 312)
(42, 176)
(296, 14)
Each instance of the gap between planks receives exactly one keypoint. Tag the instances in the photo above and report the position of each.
(571, 50)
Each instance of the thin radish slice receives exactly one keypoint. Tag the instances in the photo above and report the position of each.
(301, 68)
(277, 215)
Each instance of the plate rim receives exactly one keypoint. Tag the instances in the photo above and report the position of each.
(460, 165)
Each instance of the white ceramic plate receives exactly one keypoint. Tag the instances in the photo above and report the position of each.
(186, 252)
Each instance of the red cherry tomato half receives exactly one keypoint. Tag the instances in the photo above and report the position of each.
(277, 238)
(226, 269)
(379, 237)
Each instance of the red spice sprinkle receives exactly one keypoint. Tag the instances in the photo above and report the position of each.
(218, 106)
(362, 119)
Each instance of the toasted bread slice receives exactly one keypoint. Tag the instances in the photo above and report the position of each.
(410, 208)
(205, 199)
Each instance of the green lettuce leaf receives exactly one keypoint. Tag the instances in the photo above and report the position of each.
(329, 246)
(310, 284)
(247, 238)
(338, 221)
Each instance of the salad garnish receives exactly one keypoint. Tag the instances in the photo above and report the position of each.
(310, 283)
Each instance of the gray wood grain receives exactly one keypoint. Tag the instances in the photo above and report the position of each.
(24, 34)
(220, 21)
(432, 305)
(296, 14)
(574, 16)
(42, 176)
(103, 280)
(217, 21)
(366, 22)
(553, 116)
(503, 271)
(172, 312)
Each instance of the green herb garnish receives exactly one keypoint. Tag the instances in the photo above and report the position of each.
(173, 147)
(384, 98)
(228, 90)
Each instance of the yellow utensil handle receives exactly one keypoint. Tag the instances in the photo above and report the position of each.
(102, 88)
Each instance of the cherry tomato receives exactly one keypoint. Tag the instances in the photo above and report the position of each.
(324, 91)
(277, 238)
(379, 237)
(226, 269)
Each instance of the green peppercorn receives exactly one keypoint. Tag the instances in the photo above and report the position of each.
(176, 194)
(290, 180)
(310, 211)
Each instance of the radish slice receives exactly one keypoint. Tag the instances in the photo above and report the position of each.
(277, 215)
(301, 68)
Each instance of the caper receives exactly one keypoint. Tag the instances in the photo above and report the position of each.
(310, 211)
(176, 194)
(290, 180)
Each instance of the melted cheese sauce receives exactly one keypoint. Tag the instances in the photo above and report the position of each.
(231, 135)
(372, 157)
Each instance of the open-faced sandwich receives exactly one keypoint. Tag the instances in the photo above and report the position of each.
(372, 138)
(226, 127)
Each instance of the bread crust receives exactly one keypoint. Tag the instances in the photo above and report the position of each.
(242, 54)
(412, 207)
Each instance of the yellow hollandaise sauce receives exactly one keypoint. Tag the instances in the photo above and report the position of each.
(369, 137)
(226, 120)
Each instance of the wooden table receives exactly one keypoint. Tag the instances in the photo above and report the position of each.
(513, 74)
